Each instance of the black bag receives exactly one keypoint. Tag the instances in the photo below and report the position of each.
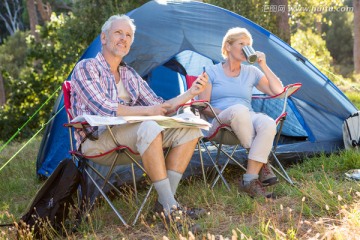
(53, 201)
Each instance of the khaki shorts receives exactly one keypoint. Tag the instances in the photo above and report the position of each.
(138, 137)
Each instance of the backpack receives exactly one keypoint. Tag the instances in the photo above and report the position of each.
(52, 203)
(351, 131)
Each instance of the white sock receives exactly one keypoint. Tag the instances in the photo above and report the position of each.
(247, 178)
(166, 197)
(174, 178)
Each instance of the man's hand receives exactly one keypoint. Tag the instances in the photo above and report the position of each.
(159, 109)
(199, 84)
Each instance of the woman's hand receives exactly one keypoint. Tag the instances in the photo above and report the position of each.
(261, 59)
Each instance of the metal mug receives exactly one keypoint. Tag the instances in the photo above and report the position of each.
(250, 54)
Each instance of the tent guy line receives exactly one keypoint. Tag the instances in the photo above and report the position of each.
(29, 119)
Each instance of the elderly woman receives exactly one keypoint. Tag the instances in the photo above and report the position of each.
(229, 91)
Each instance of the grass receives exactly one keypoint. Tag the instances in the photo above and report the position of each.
(322, 205)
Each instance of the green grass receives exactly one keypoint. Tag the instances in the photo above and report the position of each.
(322, 203)
(354, 97)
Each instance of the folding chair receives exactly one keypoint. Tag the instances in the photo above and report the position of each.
(132, 158)
(224, 135)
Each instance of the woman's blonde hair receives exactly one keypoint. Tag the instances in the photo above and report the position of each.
(231, 36)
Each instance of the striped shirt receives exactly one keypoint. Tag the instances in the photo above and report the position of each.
(94, 91)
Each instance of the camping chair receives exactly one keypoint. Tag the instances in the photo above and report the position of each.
(132, 158)
(224, 135)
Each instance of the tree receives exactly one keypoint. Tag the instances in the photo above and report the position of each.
(44, 9)
(10, 14)
(337, 32)
(2, 91)
(12, 60)
(30, 4)
(356, 5)
(308, 13)
(282, 18)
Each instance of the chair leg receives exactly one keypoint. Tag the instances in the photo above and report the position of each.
(220, 174)
(216, 167)
(202, 162)
(134, 182)
(285, 175)
(103, 178)
(143, 204)
(233, 159)
(107, 199)
(223, 168)
(110, 170)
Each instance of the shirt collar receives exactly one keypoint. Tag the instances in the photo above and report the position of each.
(105, 64)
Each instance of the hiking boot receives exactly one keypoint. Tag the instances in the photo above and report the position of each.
(193, 213)
(254, 189)
(267, 177)
(177, 219)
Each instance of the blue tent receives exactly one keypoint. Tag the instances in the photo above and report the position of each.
(175, 38)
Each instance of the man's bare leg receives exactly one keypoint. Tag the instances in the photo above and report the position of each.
(154, 164)
(180, 156)
(177, 161)
(154, 160)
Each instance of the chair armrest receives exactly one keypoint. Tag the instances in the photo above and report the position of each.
(288, 91)
(83, 125)
(200, 105)
(77, 125)
(195, 104)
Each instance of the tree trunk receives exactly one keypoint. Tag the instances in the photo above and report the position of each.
(45, 10)
(30, 4)
(356, 5)
(2, 91)
(282, 18)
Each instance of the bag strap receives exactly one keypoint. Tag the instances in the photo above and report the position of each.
(7, 224)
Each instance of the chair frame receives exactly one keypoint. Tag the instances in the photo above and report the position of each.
(216, 139)
(120, 149)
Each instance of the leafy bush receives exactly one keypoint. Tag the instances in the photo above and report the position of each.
(35, 70)
(313, 47)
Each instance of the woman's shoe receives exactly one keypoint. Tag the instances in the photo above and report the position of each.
(267, 177)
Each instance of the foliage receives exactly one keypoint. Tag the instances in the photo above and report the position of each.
(339, 40)
(84, 27)
(354, 97)
(47, 63)
(44, 70)
(307, 13)
(313, 47)
(12, 54)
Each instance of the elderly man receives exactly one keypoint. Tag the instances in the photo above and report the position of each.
(106, 86)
